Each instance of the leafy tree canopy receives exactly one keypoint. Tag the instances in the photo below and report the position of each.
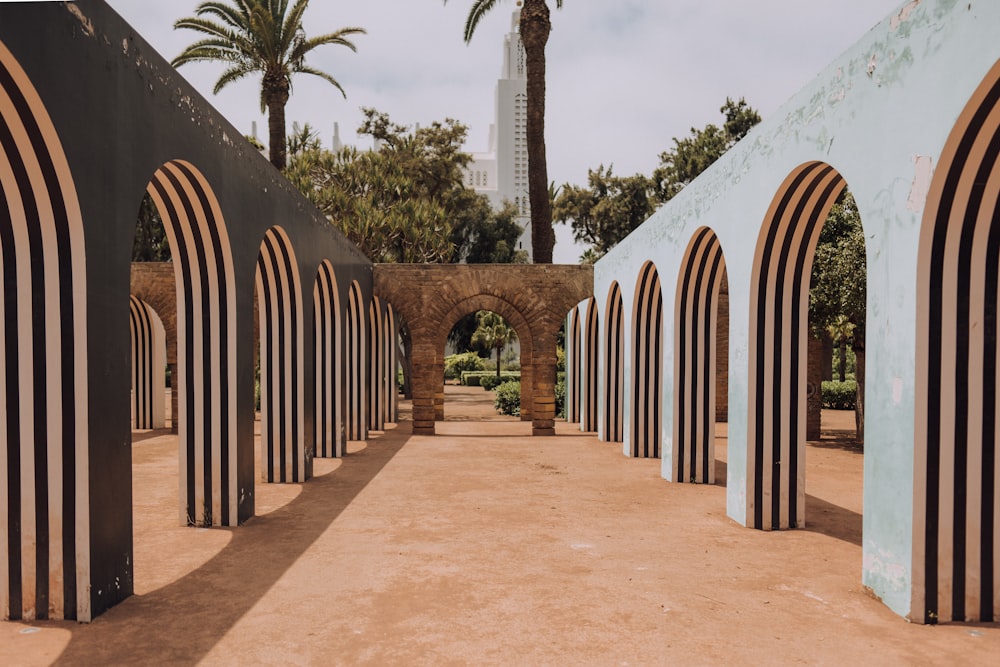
(610, 207)
(607, 210)
(407, 200)
(694, 154)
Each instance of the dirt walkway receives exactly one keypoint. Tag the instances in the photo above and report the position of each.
(483, 545)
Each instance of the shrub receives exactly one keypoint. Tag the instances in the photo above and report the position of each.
(561, 398)
(474, 378)
(456, 364)
(508, 400)
(489, 382)
(840, 395)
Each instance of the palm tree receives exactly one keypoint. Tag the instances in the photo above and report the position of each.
(493, 333)
(260, 36)
(535, 27)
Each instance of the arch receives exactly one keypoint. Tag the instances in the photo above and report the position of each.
(614, 367)
(206, 343)
(149, 359)
(647, 365)
(357, 424)
(44, 510)
(514, 318)
(376, 370)
(573, 378)
(692, 449)
(329, 417)
(589, 350)
(779, 300)
(956, 506)
(282, 428)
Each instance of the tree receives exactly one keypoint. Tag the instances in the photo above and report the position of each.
(610, 207)
(534, 26)
(694, 154)
(606, 211)
(150, 243)
(493, 333)
(407, 201)
(838, 289)
(265, 37)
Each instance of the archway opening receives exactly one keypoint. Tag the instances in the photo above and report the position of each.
(182, 322)
(811, 209)
(956, 510)
(581, 348)
(282, 453)
(646, 414)
(483, 378)
(612, 380)
(698, 450)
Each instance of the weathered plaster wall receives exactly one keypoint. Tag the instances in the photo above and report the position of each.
(880, 114)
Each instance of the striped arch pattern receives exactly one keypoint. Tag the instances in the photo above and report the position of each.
(695, 319)
(590, 345)
(206, 343)
(44, 455)
(956, 532)
(390, 403)
(573, 378)
(613, 430)
(779, 312)
(329, 406)
(647, 365)
(357, 425)
(281, 364)
(148, 363)
(376, 379)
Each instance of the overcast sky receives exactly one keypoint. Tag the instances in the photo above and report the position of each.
(624, 76)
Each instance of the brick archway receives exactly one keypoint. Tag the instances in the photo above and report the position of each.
(533, 298)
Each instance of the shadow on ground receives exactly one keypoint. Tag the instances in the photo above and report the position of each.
(202, 606)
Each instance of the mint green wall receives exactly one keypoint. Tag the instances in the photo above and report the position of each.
(880, 114)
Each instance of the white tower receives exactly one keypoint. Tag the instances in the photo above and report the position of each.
(501, 173)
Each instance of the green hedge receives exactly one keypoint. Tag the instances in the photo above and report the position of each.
(508, 400)
(473, 378)
(456, 364)
(561, 398)
(840, 395)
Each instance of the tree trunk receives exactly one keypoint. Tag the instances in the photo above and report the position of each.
(859, 409)
(842, 366)
(499, 352)
(535, 27)
(276, 95)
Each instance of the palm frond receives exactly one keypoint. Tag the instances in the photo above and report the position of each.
(479, 9)
(234, 73)
(305, 69)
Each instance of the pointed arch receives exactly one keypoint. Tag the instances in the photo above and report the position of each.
(647, 365)
(956, 505)
(149, 359)
(696, 306)
(44, 458)
(573, 378)
(282, 427)
(589, 350)
(779, 304)
(614, 367)
(357, 423)
(329, 417)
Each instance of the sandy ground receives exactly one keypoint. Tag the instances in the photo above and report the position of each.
(482, 545)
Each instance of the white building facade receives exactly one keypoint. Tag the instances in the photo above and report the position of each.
(501, 173)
